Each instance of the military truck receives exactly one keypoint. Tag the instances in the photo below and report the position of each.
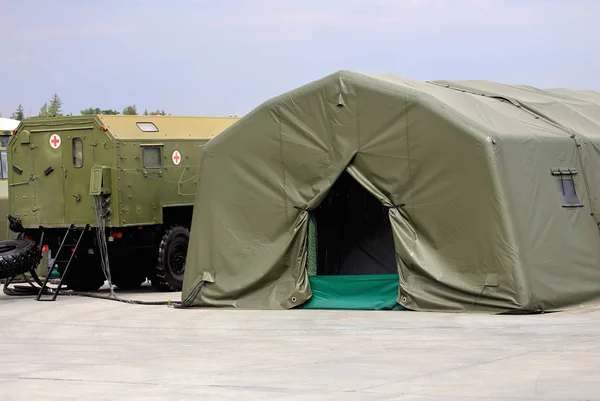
(113, 190)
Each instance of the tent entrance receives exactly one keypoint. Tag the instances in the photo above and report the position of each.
(352, 257)
(354, 235)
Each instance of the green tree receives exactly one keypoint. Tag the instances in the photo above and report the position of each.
(97, 110)
(90, 110)
(44, 111)
(157, 113)
(130, 110)
(54, 108)
(19, 113)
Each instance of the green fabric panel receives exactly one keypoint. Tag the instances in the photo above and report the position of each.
(312, 246)
(365, 292)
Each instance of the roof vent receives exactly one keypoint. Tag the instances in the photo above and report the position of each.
(147, 127)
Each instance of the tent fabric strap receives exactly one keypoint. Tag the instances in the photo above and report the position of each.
(313, 242)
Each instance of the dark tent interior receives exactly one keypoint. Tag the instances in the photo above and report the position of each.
(354, 232)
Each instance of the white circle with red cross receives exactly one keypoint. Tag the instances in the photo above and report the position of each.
(54, 141)
(176, 157)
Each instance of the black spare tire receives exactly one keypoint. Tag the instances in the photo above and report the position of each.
(17, 257)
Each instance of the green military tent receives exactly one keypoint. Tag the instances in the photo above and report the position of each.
(376, 191)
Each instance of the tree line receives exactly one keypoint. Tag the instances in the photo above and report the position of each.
(53, 108)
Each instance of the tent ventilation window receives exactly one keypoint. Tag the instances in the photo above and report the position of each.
(77, 152)
(566, 185)
(151, 156)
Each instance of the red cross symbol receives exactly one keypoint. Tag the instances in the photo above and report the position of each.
(176, 157)
(55, 141)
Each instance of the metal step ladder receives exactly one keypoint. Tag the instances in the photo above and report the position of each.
(71, 230)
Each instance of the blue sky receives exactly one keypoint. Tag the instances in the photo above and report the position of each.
(224, 57)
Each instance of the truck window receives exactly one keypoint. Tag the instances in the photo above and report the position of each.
(3, 164)
(4, 139)
(77, 152)
(151, 156)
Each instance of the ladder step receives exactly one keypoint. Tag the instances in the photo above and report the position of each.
(67, 261)
(68, 246)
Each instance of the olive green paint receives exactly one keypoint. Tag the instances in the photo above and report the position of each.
(113, 149)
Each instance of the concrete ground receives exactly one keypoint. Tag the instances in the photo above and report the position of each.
(89, 349)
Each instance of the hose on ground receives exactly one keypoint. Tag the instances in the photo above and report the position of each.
(32, 289)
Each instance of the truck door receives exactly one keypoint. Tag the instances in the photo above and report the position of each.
(46, 177)
(20, 176)
(78, 158)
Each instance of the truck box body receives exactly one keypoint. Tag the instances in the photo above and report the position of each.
(139, 164)
(116, 191)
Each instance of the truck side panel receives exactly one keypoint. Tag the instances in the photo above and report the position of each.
(50, 175)
(36, 178)
(150, 178)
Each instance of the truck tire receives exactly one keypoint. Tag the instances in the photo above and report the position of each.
(18, 257)
(172, 252)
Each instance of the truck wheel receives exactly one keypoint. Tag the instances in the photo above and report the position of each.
(172, 251)
(18, 257)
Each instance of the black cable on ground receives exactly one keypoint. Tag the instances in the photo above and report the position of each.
(21, 290)
(127, 301)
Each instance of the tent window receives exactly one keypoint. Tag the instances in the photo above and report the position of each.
(77, 152)
(151, 156)
(568, 191)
